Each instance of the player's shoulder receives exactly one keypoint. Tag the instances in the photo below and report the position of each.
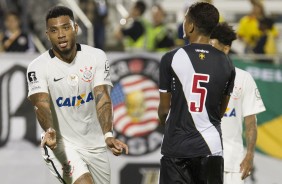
(168, 56)
(203, 48)
(41, 60)
(91, 50)
(242, 74)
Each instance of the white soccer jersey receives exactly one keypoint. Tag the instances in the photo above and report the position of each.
(244, 101)
(71, 90)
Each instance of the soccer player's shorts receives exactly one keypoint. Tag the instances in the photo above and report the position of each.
(68, 163)
(233, 178)
(198, 170)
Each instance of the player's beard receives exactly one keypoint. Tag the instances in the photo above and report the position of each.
(65, 51)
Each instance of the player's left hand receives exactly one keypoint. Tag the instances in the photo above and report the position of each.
(116, 146)
(246, 166)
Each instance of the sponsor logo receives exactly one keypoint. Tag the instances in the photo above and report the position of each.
(265, 74)
(135, 98)
(230, 112)
(32, 77)
(107, 71)
(55, 80)
(74, 100)
(202, 50)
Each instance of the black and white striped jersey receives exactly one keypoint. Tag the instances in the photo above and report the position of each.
(197, 76)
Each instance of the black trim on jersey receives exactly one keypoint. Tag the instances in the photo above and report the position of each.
(52, 55)
(78, 47)
(48, 159)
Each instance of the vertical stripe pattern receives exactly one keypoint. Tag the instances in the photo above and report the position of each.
(183, 68)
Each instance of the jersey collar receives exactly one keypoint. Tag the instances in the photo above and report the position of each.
(52, 55)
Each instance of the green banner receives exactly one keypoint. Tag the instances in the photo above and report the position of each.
(269, 81)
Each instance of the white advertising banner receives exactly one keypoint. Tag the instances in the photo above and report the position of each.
(135, 100)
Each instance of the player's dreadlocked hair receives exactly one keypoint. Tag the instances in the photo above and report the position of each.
(205, 17)
(224, 34)
(58, 11)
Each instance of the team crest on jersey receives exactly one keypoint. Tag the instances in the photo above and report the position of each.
(257, 94)
(135, 100)
(87, 74)
(202, 56)
(237, 92)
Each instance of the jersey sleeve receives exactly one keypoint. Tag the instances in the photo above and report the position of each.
(252, 102)
(230, 84)
(36, 78)
(165, 74)
(102, 70)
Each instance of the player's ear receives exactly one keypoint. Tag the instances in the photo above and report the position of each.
(76, 27)
(191, 27)
(47, 35)
(226, 49)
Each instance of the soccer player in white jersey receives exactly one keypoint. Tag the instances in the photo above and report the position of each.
(244, 104)
(68, 87)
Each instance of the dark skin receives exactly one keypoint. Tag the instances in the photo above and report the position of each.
(246, 165)
(61, 32)
(194, 36)
(250, 125)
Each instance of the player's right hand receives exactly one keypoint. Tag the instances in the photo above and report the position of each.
(49, 139)
(116, 146)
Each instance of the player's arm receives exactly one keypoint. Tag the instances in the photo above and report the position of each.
(165, 76)
(251, 138)
(224, 104)
(41, 103)
(105, 117)
(227, 92)
(164, 106)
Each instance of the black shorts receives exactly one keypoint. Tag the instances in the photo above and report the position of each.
(199, 170)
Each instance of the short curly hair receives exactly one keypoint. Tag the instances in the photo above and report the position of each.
(205, 17)
(224, 34)
(58, 11)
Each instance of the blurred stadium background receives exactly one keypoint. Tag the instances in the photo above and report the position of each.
(20, 158)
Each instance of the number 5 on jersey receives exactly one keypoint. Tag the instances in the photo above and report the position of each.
(198, 94)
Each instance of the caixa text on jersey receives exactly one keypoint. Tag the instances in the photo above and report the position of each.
(74, 100)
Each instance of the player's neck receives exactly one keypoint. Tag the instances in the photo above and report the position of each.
(66, 57)
(200, 39)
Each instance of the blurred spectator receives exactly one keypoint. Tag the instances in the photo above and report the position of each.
(161, 38)
(100, 18)
(1, 19)
(97, 13)
(133, 30)
(248, 28)
(267, 41)
(14, 39)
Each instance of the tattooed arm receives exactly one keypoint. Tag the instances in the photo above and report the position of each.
(251, 138)
(41, 103)
(105, 117)
(104, 108)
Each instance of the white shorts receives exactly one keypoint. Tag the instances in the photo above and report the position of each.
(68, 163)
(232, 178)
